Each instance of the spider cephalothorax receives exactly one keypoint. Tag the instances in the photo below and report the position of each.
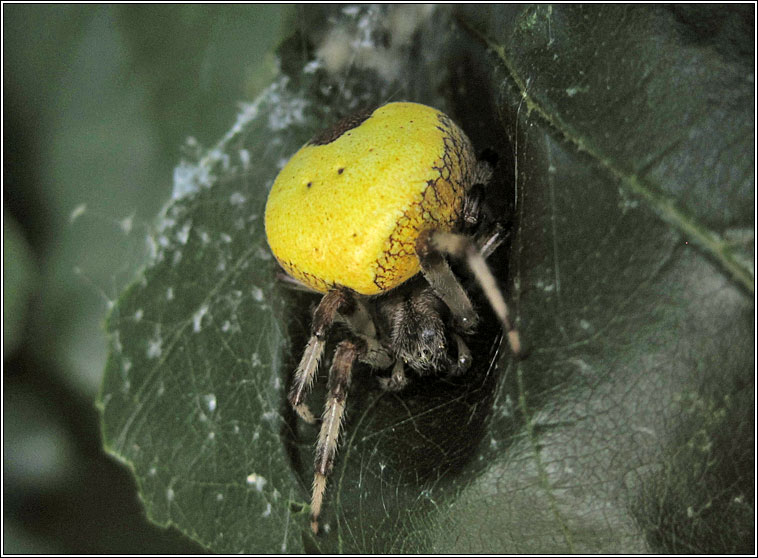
(418, 332)
(360, 211)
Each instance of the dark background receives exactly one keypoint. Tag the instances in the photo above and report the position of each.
(98, 104)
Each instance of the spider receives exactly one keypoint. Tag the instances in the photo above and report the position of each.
(357, 213)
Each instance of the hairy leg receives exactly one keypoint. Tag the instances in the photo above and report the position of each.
(345, 356)
(397, 380)
(324, 316)
(361, 324)
(461, 246)
(444, 283)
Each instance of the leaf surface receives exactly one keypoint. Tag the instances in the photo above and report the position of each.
(625, 168)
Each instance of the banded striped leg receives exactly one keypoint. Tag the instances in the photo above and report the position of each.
(323, 318)
(346, 354)
(444, 283)
(463, 247)
(490, 242)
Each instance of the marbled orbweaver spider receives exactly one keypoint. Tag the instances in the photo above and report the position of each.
(355, 214)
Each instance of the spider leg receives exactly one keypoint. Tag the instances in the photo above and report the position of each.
(491, 241)
(292, 283)
(473, 203)
(360, 322)
(472, 206)
(397, 380)
(323, 317)
(438, 274)
(463, 362)
(463, 247)
(345, 355)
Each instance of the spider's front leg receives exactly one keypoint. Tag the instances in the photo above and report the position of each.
(345, 356)
(323, 317)
(430, 246)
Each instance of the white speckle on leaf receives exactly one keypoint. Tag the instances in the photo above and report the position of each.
(257, 480)
(244, 156)
(627, 204)
(197, 318)
(255, 360)
(170, 293)
(78, 211)
(183, 234)
(270, 416)
(545, 286)
(262, 253)
(154, 347)
(153, 471)
(267, 511)
(226, 326)
(219, 497)
(126, 365)
(126, 224)
(571, 91)
(237, 199)
(290, 111)
(116, 342)
(138, 315)
(312, 66)
(257, 294)
(226, 238)
(152, 249)
(170, 494)
(211, 435)
(188, 178)
(205, 238)
(585, 325)
(210, 401)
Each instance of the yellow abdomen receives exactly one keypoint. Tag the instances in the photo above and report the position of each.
(348, 207)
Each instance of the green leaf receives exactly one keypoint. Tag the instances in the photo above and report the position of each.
(625, 166)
